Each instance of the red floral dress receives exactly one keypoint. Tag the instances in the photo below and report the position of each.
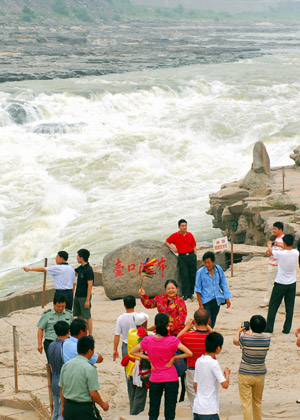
(175, 308)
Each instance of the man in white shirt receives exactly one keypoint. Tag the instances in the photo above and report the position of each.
(285, 283)
(124, 323)
(207, 380)
(63, 277)
(273, 263)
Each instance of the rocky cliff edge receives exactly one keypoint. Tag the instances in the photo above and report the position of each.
(249, 207)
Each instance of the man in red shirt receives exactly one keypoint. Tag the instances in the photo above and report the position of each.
(185, 246)
(194, 340)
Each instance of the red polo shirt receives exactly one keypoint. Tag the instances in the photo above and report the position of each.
(194, 341)
(184, 243)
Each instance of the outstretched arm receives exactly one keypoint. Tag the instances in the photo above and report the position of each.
(38, 269)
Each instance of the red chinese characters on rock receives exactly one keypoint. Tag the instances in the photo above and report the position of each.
(161, 266)
(118, 270)
(131, 267)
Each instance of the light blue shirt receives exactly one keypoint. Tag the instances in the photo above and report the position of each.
(63, 276)
(70, 350)
(209, 287)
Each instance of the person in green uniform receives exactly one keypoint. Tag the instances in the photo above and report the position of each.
(48, 319)
(79, 385)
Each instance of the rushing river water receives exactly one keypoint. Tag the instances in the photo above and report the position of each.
(100, 161)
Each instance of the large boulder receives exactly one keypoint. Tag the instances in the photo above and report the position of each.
(122, 267)
(258, 178)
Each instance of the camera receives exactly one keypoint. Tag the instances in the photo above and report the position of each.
(246, 325)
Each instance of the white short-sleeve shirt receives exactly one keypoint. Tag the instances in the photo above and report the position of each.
(124, 323)
(208, 376)
(287, 263)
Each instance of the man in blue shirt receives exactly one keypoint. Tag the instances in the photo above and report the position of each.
(63, 277)
(56, 362)
(211, 287)
(78, 328)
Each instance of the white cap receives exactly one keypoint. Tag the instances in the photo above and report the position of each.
(139, 318)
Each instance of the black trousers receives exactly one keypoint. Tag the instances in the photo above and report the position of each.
(187, 269)
(279, 292)
(213, 309)
(68, 294)
(155, 392)
(81, 411)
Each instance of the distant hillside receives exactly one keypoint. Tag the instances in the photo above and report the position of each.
(64, 10)
(230, 6)
(86, 11)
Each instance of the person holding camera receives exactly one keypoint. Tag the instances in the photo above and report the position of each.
(285, 283)
(277, 245)
(251, 378)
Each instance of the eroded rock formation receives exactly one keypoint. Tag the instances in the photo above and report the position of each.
(249, 207)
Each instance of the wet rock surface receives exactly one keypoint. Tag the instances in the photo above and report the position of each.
(45, 50)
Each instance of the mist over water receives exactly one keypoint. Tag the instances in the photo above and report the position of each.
(100, 161)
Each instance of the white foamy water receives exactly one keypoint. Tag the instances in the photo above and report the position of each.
(100, 161)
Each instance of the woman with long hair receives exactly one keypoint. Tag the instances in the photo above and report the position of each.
(160, 350)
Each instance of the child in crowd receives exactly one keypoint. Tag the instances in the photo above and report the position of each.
(208, 376)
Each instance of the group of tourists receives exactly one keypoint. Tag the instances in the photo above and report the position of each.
(154, 357)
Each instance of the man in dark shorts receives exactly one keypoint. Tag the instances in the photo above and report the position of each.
(185, 246)
(83, 294)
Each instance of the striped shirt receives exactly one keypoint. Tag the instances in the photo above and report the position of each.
(254, 351)
(194, 341)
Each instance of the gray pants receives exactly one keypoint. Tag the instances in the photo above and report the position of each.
(57, 408)
(137, 397)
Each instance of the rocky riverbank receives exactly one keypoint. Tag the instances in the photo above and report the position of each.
(247, 287)
(51, 50)
(249, 207)
(46, 49)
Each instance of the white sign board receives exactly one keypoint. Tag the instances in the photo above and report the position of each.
(220, 244)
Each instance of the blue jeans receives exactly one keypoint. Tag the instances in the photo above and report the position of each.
(206, 416)
(57, 408)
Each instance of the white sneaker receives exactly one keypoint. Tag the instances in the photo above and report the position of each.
(264, 304)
